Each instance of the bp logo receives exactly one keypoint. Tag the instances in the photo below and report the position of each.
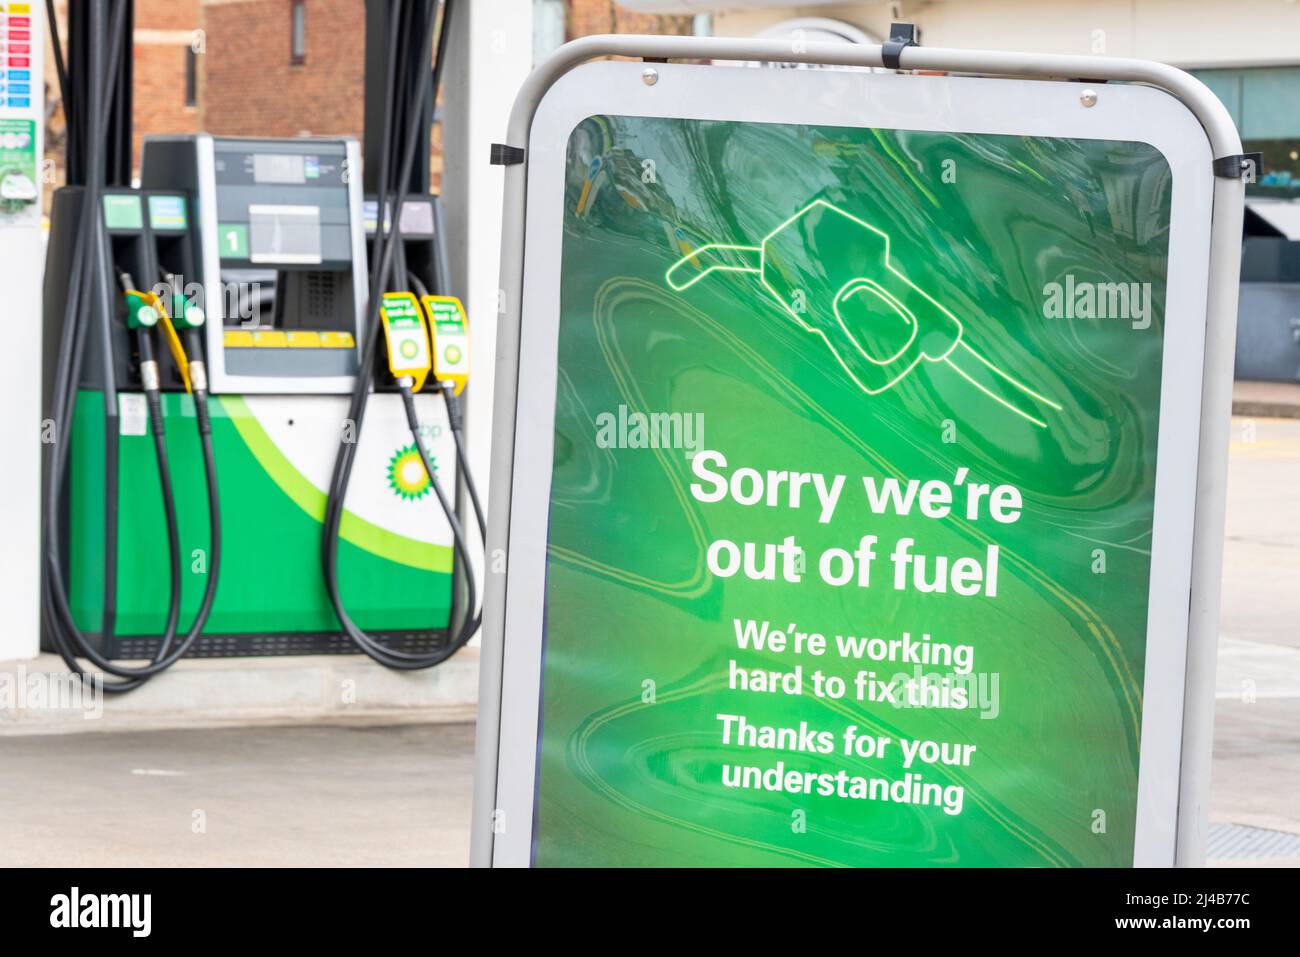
(407, 476)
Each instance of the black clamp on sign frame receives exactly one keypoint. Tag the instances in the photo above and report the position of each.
(901, 36)
(503, 155)
(1247, 166)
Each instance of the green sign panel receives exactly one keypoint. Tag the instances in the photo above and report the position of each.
(851, 510)
(123, 211)
(232, 240)
(20, 191)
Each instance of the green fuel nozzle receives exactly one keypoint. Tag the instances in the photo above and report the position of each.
(141, 310)
(833, 274)
(185, 313)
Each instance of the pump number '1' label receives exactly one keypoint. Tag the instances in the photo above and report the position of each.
(450, 340)
(407, 336)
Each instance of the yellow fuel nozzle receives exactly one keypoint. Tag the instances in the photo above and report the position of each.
(407, 335)
(449, 333)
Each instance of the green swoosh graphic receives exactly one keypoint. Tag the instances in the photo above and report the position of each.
(355, 529)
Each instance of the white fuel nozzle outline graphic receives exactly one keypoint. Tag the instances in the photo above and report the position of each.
(876, 284)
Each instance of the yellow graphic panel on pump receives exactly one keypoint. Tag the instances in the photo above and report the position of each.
(407, 336)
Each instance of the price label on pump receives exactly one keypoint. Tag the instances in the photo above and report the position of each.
(450, 333)
(407, 336)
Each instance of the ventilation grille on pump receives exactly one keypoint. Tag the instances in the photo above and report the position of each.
(318, 299)
(288, 643)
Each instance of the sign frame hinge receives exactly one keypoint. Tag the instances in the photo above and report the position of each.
(901, 36)
(505, 155)
(1247, 166)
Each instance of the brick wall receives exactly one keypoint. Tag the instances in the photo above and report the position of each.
(246, 83)
(164, 30)
(589, 17)
(250, 86)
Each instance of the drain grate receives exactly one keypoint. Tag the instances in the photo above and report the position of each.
(1237, 842)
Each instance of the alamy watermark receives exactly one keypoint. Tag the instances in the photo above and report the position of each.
(240, 300)
(22, 690)
(1072, 299)
(628, 429)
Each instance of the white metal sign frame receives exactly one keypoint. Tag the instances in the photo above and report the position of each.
(1189, 127)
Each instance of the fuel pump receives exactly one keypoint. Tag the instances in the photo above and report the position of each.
(231, 309)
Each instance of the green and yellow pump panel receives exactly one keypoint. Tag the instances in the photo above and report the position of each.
(273, 458)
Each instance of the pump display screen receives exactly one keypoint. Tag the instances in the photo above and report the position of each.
(288, 238)
(284, 234)
(279, 168)
(853, 495)
(283, 204)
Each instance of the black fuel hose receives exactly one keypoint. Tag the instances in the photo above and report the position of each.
(88, 273)
(384, 246)
(69, 640)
